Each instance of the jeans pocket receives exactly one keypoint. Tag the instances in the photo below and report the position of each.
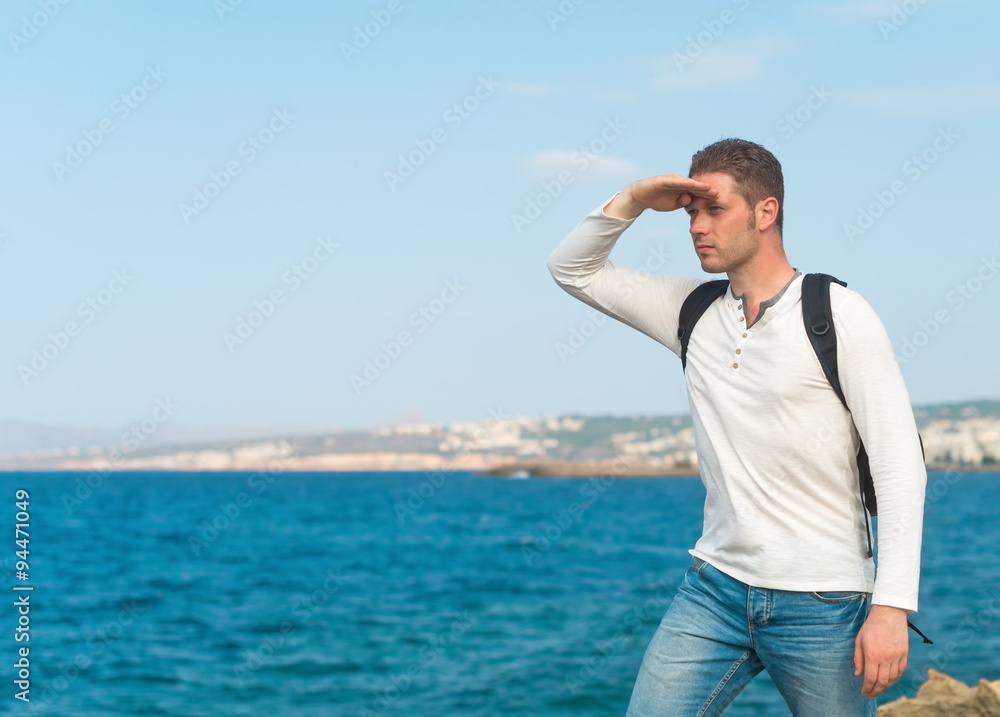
(698, 564)
(838, 596)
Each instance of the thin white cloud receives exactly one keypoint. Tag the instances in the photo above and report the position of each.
(547, 165)
(697, 67)
(711, 69)
(951, 99)
(529, 89)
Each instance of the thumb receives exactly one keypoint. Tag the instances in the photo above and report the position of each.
(859, 657)
(683, 200)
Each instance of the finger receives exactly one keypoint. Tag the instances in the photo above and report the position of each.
(684, 199)
(882, 681)
(676, 182)
(897, 670)
(871, 677)
(705, 190)
(859, 657)
(702, 188)
(882, 684)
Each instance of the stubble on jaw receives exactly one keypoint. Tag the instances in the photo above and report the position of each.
(744, 250)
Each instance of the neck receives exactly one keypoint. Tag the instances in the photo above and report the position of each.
(762, 277)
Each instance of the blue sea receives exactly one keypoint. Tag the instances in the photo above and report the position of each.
(400, 593)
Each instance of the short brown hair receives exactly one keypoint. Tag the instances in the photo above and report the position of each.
(755, 171)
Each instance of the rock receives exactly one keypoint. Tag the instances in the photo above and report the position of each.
(944, 696)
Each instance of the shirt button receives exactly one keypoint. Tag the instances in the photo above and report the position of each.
(740, 306)
(741, 318)
(735, 365)
(744, 335)
(739, 351)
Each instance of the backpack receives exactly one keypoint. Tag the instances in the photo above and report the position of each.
(818, 319)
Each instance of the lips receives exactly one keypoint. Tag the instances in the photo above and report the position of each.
(701, 247)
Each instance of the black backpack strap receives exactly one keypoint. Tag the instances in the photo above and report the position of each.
(913, 627)
(693, 307)
(818, 318)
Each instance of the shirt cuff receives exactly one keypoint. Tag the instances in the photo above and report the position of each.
(599, 212)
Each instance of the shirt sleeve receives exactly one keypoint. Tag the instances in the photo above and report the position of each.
(880, 407)
(647, 302)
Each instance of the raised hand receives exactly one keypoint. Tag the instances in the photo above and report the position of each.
(663, 193)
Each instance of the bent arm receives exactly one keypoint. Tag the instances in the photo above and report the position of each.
(647, 302)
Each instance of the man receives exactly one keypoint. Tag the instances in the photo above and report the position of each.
(781, 579)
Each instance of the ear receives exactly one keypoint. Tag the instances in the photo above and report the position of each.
(767, 213)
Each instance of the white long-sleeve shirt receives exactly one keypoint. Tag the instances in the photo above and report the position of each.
(775, 445)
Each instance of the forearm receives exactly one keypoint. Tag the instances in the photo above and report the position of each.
(583, 253)
(645, 301)
(887, 427)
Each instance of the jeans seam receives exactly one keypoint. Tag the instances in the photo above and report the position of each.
(836, 601)
(722, 683)
(765, 618)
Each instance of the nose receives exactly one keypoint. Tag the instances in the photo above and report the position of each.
(699, 225)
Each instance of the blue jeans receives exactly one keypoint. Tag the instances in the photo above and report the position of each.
(718, 633)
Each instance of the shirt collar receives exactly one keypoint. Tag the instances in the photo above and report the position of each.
(741, 299)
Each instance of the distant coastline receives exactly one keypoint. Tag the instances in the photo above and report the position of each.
(962, 437)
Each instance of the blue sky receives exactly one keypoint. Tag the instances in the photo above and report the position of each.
(236, 205)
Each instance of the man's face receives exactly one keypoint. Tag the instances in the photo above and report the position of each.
(723, 229)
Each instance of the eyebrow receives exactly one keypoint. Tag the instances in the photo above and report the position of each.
(710, 203)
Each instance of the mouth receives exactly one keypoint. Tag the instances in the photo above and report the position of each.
(701, 248)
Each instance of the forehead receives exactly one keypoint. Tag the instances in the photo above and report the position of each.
(721, 181)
